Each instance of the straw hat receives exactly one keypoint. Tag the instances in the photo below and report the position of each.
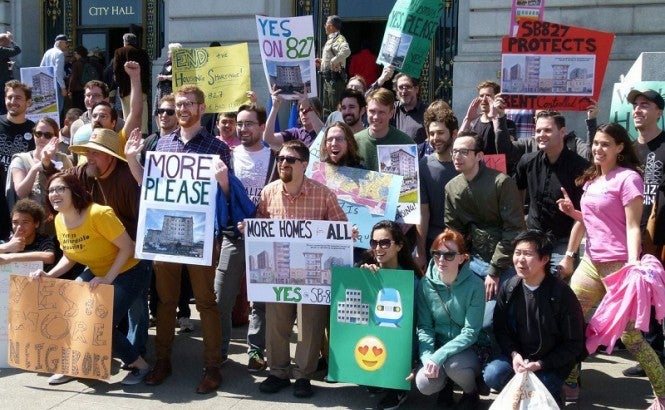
(103, 140)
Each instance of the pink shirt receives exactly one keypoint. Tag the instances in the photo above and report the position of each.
(603, 210)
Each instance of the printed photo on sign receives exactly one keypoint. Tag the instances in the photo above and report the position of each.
(403, 160)
(44, 92)
(289, 261)
(548, 74)
(287, 52)
(177, 210)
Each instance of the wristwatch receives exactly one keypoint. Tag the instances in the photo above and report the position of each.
(571, 254)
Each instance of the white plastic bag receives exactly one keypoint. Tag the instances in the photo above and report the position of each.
(524, 392)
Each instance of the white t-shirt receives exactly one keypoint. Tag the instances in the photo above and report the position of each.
(251, 167)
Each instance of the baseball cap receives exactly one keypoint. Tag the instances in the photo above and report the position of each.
(649, 94)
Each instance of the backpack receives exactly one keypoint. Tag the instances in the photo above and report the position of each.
(89, 73)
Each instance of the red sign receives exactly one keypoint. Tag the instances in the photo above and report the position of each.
(553, 66)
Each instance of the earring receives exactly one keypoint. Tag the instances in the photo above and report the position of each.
(620, 157)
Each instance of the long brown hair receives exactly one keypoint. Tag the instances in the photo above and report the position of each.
(627, 157)
(351, 158)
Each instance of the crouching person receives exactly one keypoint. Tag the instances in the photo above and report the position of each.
(538, 321)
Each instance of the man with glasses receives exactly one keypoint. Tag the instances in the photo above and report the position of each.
(542, 174)
(483, 205)
(380, 110)
(294, 196)
(254, 164)
(409, 111)
(94, 91)
(191, 137)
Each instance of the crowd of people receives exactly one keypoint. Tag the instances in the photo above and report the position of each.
(501, 286)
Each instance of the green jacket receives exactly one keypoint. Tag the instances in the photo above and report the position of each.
(488, 211)
(439, 337)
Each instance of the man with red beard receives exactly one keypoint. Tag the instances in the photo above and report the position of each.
(295, 196)
(191, 137)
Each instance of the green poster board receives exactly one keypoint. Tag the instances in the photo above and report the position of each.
(371, 327)
(408, 36)
(621, 111)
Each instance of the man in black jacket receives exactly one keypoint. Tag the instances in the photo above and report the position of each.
(538, 322)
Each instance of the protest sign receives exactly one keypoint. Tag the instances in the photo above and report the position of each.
(44, 93)
(496, 161)
(60, 326)
(221, 72)
(371, 325)
(403, 160)
(177, 211)
(6, 269)
(553, 66)
(287, 53)
(409, 31)
(289, 260)
(621, 111)
(366, 197)
(525, 10)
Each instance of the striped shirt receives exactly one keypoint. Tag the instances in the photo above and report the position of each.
(202, 143)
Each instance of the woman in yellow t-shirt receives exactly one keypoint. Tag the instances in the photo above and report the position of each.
(92, 235)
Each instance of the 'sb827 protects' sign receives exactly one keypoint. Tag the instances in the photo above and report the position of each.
(290, 261)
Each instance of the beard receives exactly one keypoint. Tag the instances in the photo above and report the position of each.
(286, 178)
(92, 171)
(351, 120)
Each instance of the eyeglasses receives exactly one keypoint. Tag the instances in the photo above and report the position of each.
(447, 255)
(95, 96)
(43, 134)
(462, 151)
(248, 124)
(289, 160)
(335, 139)
(185, 104)
(382, 243)
(57, 189)
(167, 111)
(405, 87)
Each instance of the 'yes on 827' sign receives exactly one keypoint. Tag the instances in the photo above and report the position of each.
(290, 260)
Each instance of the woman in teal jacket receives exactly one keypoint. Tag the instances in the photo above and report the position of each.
(450, 302)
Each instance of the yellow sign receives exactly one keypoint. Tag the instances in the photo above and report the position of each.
(221, 72)
(60, 326)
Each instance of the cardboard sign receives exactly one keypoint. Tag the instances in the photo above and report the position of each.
(403, 160)
(221, 72)
(371, 325)
(496, 161)
(287, 53)
(553, 66)
(177, 211)
(290, 260)
(408, 36)
(60, 326)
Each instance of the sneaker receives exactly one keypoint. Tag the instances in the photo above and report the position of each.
(257, 363)
(186, 325)
(445, 398)
(392, 400)
(59, 379)
(273, 384)
(303, 389)
(469, 401)
(635, 371)
(571, 391)
(373, 390)
(135, 376)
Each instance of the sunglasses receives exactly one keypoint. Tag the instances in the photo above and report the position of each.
(43, 134)
(447, 255)
(167, 111)
(289, 160)
(382, 243)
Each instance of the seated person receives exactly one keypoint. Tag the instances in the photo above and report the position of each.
(538, 321)
(26, 243)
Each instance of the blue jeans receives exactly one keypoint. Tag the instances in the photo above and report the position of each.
(500, 370)
(480, 268)
(127, 288)
(138, 317)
